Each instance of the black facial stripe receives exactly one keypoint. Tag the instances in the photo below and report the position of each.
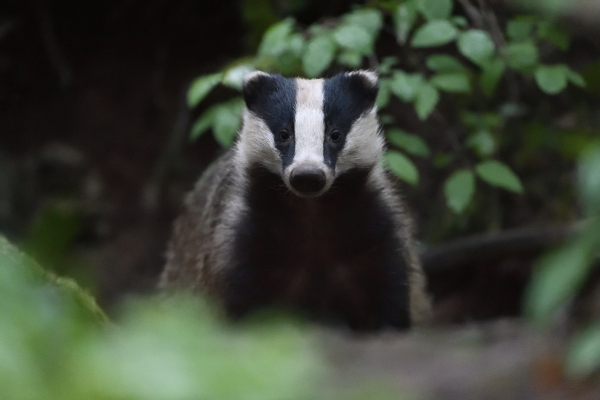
(345, 98)
(273, 99)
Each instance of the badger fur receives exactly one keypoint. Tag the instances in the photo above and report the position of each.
(300, 214)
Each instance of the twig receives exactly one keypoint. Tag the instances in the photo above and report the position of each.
(492, 22)
(473, 13)
(494, 246)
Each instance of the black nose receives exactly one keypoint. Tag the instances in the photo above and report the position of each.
(307, 180)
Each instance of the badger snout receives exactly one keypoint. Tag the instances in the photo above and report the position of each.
(308, 180)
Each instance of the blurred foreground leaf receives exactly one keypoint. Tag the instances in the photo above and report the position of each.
(589, 180)
(56, 345)
(14, 263)
(556, 278)
(583, 358)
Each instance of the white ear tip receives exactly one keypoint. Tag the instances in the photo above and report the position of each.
(253, 75)
(370, 76)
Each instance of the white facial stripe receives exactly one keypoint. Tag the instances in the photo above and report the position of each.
(364, 145)
(256, 144)
(309, 122)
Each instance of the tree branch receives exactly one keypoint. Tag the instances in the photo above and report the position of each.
(487, 247)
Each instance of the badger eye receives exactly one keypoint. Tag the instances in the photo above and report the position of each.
(335, 136)
(284, 135)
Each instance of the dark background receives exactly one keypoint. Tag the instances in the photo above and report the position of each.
(93, 125)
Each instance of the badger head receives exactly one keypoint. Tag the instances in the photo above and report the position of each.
(310, 131)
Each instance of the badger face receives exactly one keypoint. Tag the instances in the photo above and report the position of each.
(310, 131)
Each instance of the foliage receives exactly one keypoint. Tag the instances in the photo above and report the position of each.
(560, 275)
(57, 344)
(445, 56)
(478, 78)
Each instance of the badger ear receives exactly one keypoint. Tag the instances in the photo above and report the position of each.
(257, 84)
(370, 78)
(364, 85)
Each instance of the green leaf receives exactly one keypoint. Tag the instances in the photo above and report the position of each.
(442, 160)
(319, 54)
(459, 188)
(493, 71)
(554, 34)
(234, 76)
(402, 166)
(426, 100)
(406, 86)
(16, 264)
(405, 15)
(460, 21)
(521, 56)
(201, 87)
(476, 45)
(368, 18)
(452, 82)
(226, 121)
(295, 44)
(386, 119)
(385, 91)
(203, 123)
(499, 174)
(385, 66)
(556, 278)
(434, 33)
(412, 144)
(353, 59)
(276, 38)
(444, 63)
(520, 28)
(583, 355)
(435, 9)
(575, 78)
(354, 38)
(481, 120)
(589, 180)
(482, 142)
(552, 79)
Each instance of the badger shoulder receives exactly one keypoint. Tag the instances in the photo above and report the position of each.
(420, 301)
(192, 260)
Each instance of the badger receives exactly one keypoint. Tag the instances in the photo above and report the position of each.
(300, 214)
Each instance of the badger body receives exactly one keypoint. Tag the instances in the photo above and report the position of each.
(300, 214)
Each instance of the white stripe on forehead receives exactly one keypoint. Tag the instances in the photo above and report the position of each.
(309, 125)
